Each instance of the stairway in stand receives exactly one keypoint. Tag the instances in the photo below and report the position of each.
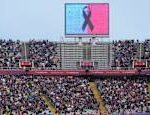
(50, 107)
(148, 84)
(99, 99)
(23, 52)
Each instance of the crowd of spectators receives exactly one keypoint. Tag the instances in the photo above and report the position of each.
(146, 49)
(124, 53)
(43, 53)
(19, 94)
(69, 94)
(10, 53)
(124, 95)
(23, 94)
(146, 55)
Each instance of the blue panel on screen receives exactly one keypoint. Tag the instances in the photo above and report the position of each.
(74, 19)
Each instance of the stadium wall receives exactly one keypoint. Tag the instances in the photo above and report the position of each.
(73, 53)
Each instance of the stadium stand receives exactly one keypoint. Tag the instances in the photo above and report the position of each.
(34, 90)
(98, 97)
(10, 53)
(146, 45)
(146, 54)
(19, 94)
(43, 53)
(124, 95)
(125, 52)
(69, 94)
(49, 55)
(22, 94)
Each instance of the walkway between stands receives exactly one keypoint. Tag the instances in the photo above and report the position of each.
(50, 107)
(148, 90)
(99, 99)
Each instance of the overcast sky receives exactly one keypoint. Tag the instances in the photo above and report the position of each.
(44, 19)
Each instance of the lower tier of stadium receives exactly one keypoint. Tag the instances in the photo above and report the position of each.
(74, 92)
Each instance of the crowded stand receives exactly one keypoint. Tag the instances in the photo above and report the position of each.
(146, 55)
(69, 94)
(124, 53)
(43, 54)
(10, 53)
(19, 95)
(124, 95)
(146, 49)
(81, 68)
(22, 94)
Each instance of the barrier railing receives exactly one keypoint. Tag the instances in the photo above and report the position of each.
(48, 68)
(58, 72)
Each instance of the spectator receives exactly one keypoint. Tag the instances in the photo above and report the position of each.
(124, 53)
(20, 94)
(43, 53)
(69, 94)
(124, 95)
(10, 53)
(147, 49)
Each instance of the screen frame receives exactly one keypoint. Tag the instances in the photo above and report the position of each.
(82, 35)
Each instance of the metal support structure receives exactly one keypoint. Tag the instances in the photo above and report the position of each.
(25, 47)
(140, 51)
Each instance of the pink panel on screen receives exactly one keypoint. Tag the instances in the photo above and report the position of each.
(99, 18)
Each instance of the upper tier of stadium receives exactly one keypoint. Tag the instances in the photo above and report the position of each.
(51, 55)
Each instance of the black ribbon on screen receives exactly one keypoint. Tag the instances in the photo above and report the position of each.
(87, 20)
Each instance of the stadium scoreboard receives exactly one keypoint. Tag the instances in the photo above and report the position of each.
(86, 19)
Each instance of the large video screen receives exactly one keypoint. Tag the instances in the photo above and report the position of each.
(87, 19)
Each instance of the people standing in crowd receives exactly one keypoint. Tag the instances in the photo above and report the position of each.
(125, 52)
(124, 95)
(10, 53)
(43, 54)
